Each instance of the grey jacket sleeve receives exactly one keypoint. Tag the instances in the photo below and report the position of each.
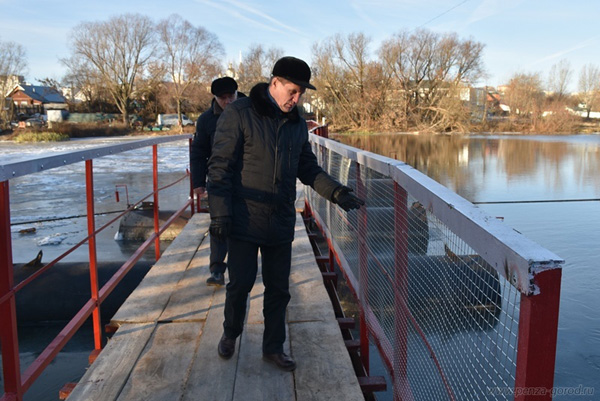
(325, 185)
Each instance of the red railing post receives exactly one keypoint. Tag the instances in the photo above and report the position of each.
(193, 205)
(155, 188)
(402, 390)
(331, 256)
(91, 224)
(323, 131)
(538, 331)
(363, 266)
(8, 314)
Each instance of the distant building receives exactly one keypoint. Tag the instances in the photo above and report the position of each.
(30, 99)
(8, 82)
(231, 73)
(75, 95)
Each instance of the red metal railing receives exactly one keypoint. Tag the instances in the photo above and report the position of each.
(15, 383)
(465, 308)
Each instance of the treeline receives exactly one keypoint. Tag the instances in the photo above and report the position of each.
(426, 82)
(414, 81)
(147, 68)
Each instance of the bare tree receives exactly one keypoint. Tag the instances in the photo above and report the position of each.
(83, 79)
(589, 87)
(150, 87)
(256, 66)
(430, 72)
(50, 83)
(188, 54)
(559, 78)
(117, 49)
(351, 86)
(13, 62)
(525, 96)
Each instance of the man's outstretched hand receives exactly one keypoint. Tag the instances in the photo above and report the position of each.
(220, 227)
(344, 197)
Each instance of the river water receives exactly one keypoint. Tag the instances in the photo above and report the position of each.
(483, 169)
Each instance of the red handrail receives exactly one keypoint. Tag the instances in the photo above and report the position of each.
(15, 384)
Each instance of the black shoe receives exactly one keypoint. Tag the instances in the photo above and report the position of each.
(282, 361)
(215, 279)
(226, 347)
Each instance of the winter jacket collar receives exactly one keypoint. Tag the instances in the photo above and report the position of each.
(217, 110)
(265, 107)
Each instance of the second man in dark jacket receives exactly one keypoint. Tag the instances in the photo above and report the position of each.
(225, 92)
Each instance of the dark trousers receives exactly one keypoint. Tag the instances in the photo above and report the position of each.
(218, 251)
(243, 266)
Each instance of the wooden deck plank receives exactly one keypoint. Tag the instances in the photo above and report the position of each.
(148, 301)
(255, 378)
(211, 377)
(300, 203)
(330, 375)
(111, 369)
(325, 371)
(161, 371)
(310, 301)
(191, 298)
(179, 360)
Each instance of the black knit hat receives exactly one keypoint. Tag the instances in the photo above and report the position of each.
(293, 69)
(221, 86)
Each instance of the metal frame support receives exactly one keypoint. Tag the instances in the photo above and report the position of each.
(538, 332)
(402, 388)
(193, 207)
(126, 193)
(363, 271)
(8, 315)
(155, 188)
(91, 224)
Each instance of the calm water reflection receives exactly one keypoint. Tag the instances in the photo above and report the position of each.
(526, 168)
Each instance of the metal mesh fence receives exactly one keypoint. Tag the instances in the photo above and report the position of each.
(446, 322)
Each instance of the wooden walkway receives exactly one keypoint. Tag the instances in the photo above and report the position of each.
(166, 345)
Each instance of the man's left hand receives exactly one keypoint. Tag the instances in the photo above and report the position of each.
(343, 196)
(200, 191)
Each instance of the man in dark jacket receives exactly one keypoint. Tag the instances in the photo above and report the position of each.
(225, 92)
(261, 147)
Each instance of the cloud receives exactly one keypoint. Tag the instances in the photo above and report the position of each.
(562, 53)
(489, 8)
(372, 12)
(265, 21)
(360, 13)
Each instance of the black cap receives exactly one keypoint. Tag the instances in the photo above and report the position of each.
(221, 86)
(293, 69)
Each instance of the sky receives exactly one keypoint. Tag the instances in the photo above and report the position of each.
(520, 36)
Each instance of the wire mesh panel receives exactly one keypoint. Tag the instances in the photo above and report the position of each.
(445, 320)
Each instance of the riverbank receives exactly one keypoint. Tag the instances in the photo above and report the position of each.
(66, 131)
(504, 127)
